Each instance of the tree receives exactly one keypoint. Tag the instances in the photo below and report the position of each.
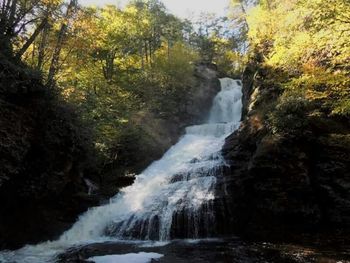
(239, 16)
(16, 16)
(60, 39)
(308, 40)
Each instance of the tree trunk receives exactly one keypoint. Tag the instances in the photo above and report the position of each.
(56, 56)
(3, 17)
(168, 49)
(11, 19)
(150, 51)
(30, 41)
(142, 58)
(59, 44)
(146, 52)
(42, 45)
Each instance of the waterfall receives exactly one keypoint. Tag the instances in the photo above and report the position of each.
(173, 197)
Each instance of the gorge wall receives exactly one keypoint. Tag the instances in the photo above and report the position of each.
(281, 185)
(48, 158)
(45, 155)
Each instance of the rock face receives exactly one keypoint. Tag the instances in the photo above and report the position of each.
(282, 186)
(42, 168)
(206, 87)
(47, 158)
(162, 133)
(44, 160)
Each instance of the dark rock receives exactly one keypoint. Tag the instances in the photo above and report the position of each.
(194, 224)
(279, 186)
(233, 250)
(44, 159)
(195, 160)
(206, 87)
(248, 81)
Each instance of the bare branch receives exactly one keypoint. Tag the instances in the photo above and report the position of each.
(25, 24)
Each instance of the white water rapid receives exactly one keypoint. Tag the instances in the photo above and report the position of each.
(171, 198)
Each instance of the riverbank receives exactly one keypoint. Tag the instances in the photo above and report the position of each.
(215, 250)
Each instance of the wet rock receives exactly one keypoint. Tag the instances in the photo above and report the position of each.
(44, 158)
(206, 87)
(208, 251)
(195, 160)
(280, 186)
(190, 224)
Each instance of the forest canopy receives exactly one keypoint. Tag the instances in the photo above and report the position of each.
(117, 64)
(308, 43)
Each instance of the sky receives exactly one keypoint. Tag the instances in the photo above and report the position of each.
(181, 8)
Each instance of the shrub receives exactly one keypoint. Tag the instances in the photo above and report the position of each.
(290, 116)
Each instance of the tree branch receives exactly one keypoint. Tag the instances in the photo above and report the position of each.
(32, 38)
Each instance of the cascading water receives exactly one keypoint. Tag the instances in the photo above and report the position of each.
(172, 198)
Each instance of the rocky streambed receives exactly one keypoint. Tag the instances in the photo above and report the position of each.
(232, 250)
